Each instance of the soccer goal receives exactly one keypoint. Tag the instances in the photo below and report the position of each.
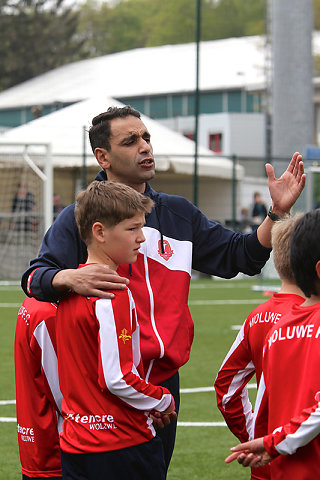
(26, 179)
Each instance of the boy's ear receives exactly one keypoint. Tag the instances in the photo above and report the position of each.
(102, 156)
(98, 232)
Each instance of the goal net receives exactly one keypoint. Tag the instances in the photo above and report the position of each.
(25, 205)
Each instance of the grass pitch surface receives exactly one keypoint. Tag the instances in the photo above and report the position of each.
(218, 308)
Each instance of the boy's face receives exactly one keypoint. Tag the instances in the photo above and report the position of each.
(122, 242)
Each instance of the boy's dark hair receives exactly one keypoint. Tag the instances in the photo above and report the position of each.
(108, 203)
(305, 252)
(99, 132)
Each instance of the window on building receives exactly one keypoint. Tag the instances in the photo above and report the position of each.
(211, 102)
(159, 107)
(215, 142)
(138, 103)
(234, 102)
(177, 105)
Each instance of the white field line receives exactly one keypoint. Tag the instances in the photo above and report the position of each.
(219, 285)
(225, 302)
(202, 424)
(180, 424)
(14, 284)
(10, 305)
(191, 302)
(208, 389)
(182, 390)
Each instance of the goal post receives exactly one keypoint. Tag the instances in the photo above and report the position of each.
(26, 204)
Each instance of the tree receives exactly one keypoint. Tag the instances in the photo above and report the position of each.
(36, 36)
(107, 29)
(129, 24)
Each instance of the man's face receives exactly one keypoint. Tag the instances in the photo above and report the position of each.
(130, 159)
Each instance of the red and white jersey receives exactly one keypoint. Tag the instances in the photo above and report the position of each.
(242, 361)
(289, 383)
(106, 400)
(38, 396)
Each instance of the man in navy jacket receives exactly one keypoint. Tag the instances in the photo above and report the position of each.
(178, 238)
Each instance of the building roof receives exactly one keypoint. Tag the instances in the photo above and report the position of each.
(227, 63)
(66, 132)
(224, 64)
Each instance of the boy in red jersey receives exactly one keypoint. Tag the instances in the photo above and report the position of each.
(290, 372)
(245, 356)
(107, 429)
(38, 396)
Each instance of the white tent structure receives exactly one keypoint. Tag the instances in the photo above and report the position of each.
(66, 133)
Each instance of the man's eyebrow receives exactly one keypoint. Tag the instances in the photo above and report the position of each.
(132, 136)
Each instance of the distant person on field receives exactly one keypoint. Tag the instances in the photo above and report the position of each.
(290, 380)
(57, 205)
(245, 221)
(107, 430)
(244, 359)
(23, 203)
(259, 211)
(38, 395)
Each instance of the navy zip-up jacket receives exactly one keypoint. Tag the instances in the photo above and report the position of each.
(179, 237)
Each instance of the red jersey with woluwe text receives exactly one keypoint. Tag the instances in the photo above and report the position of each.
(38, 396)
(106, 400)
(242, 361)
(291, 378)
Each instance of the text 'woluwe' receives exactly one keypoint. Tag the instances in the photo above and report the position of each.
(266, 317)
(294, 332)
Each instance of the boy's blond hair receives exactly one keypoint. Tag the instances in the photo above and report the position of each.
(108, 203)
(280, 241)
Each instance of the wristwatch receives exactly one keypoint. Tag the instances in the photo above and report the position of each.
(274, 217)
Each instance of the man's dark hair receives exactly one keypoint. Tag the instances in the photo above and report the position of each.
(305, 252)
(99, 133)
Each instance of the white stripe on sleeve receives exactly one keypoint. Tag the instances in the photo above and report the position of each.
(49, 361)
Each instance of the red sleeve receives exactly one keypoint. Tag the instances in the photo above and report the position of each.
(231, 390)
(297, 433)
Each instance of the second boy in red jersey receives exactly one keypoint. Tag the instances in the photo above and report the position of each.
(245, 356)
(290, 381)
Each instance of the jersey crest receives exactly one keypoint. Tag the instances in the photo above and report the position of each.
(124, 337)
(168, 252)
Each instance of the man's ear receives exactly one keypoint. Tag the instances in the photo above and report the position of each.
(102, 156)
(318, 268)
